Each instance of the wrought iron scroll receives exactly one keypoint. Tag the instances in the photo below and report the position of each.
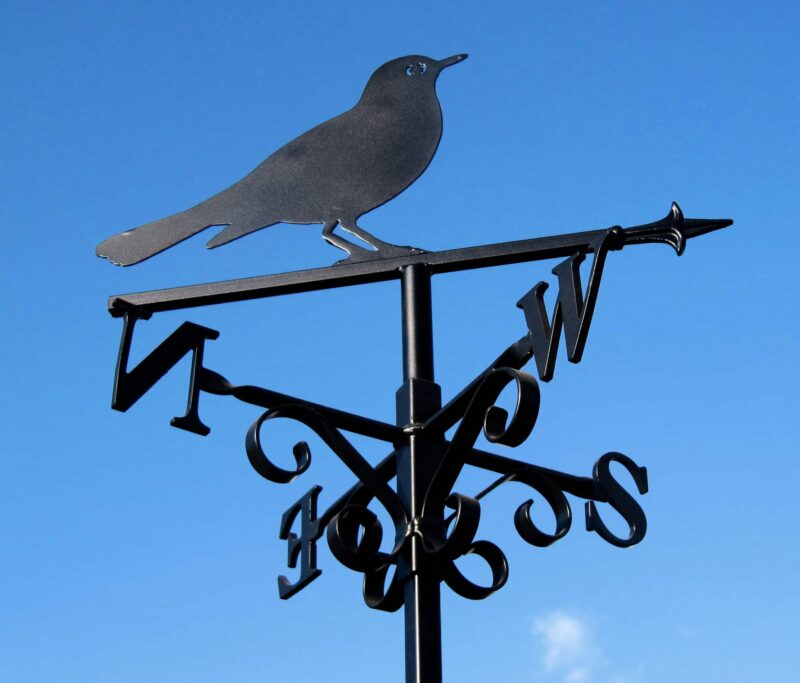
(355, 534)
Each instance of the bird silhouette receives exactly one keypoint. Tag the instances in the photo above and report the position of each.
(332, 174)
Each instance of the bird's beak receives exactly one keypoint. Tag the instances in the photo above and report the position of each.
(455, 59)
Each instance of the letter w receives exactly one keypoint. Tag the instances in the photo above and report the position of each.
(130, 386)
(571, 311)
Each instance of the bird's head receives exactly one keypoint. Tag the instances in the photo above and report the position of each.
(409, 75)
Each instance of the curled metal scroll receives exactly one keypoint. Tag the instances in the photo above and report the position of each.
(334, 439)
(555, 499)
(465, 525)
(263, 465)
(483, 415)
(497, 562)
(376, 595)
(460, 543)
(355, 533)
(364, 555)
(343, 537)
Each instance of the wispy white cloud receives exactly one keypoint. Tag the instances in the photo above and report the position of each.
(570, 652)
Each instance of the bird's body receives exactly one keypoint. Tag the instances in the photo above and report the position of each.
(332, 174)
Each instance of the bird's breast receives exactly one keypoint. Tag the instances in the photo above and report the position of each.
(392, 149)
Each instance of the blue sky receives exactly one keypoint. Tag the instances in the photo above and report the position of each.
(137, 552)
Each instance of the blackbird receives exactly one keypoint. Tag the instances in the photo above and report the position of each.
(332, 174)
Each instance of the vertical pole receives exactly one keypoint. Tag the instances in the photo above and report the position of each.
(417, 400)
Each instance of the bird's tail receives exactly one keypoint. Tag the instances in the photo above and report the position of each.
(134, 246)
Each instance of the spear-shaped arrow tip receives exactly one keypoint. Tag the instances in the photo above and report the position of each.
(674, 229)
(694, 227)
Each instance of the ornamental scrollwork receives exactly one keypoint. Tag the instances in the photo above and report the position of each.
(355, 535)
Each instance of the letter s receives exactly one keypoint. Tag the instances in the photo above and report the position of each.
(622, 501)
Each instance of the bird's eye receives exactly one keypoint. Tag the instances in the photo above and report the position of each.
(423, 67)
(411, 70)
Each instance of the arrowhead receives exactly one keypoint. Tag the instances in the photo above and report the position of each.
(674, 229)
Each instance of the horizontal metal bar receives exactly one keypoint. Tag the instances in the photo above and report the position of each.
(214, 383)
(583, 487)
(347, 274)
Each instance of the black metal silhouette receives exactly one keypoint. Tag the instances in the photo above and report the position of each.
(428, 539)
(333, 174)
(674, 230)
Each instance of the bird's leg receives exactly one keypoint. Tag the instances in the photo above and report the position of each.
(363, 235)
(382, 249)
(341, 243)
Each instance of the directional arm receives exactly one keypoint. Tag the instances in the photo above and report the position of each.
(214, 383)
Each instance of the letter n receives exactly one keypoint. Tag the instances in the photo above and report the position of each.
(131, 385)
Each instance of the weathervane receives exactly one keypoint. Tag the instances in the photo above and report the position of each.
(332, 175)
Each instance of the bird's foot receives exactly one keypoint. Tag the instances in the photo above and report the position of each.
(388, 252)
(396, 250)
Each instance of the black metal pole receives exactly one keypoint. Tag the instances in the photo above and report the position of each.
(417, 400)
